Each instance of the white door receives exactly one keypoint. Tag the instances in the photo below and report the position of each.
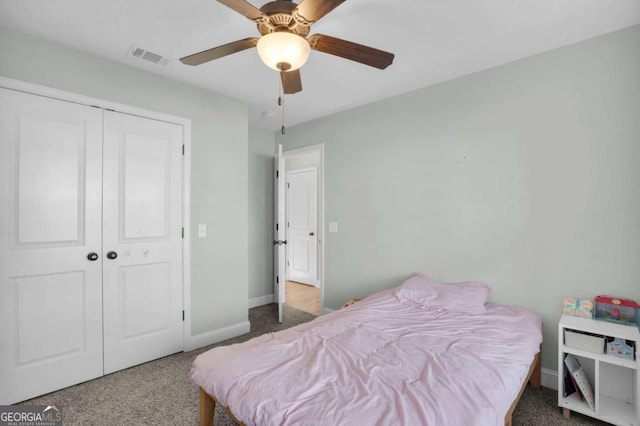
(301, 225)
(50, 223)
(279, 240)
(142, 233)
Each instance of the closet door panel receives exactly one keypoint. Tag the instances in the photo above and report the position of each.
(143, 227)
(50, 219)
(145, 299)
(50, 164)
(144, 187)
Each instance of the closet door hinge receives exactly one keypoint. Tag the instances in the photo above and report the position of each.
(277, 279)
(183, 315)
(182, 149)
(277, 174)
(182, 232)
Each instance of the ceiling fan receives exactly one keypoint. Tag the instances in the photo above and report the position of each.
(284, 45)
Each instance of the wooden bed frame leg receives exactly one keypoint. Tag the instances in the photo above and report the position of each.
(536, 376)
(566, 413)
(207, 408)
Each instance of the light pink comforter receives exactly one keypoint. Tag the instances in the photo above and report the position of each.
(377, 362)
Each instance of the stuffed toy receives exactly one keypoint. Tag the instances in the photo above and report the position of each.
(578, 307)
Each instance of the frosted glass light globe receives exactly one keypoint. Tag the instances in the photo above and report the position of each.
(283, 51)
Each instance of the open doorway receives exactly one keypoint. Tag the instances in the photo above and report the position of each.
(304, 229)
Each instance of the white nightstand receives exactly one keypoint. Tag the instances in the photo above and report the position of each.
(615, 380)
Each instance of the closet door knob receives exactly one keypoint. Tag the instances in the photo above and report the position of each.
(112, 255)
(93, 256)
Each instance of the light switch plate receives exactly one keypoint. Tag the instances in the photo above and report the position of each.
(333, 227)
(202, 230)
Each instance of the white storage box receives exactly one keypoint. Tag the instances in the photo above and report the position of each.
(585, 341)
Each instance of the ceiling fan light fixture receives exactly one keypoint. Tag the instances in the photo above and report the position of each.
(283, 51)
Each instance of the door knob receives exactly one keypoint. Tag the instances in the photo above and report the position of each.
(93, 256)
(112, 255)
(311, 234)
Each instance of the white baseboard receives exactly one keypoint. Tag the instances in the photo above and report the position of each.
(326, 311)
(215, 336)
(549, 378)
(261, 300)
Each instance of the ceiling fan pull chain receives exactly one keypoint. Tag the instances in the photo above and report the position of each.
(282, 130)
(280, 89)
(281, 98)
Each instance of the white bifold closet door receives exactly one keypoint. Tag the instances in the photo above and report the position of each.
(142, 226)
(50, 218)
(76, 183)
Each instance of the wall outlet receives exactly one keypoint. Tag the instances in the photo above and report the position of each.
(202, 230)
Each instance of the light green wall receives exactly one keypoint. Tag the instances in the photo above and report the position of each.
(261, 150)
(526, 176)
(219, 160)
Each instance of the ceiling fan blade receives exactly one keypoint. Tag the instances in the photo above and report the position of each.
(312, 10)
(291, 82)
(220, 51)
(350, 50)
(244, 8)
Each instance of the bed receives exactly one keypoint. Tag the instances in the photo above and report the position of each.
(422, 353)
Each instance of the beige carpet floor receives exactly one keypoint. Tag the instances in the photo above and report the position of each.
(159, 392)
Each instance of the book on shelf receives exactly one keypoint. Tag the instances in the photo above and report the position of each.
(569, 385)
(580, 380)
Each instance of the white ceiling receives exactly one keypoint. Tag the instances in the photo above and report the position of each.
(433, 40)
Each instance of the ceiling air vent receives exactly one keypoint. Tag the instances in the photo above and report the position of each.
(139, 53)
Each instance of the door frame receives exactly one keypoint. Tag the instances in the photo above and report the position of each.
(49, 92)
(298, 152)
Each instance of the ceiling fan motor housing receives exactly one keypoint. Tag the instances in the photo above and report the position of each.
(281, 17)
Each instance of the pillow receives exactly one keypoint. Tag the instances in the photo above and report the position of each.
(465, 297)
